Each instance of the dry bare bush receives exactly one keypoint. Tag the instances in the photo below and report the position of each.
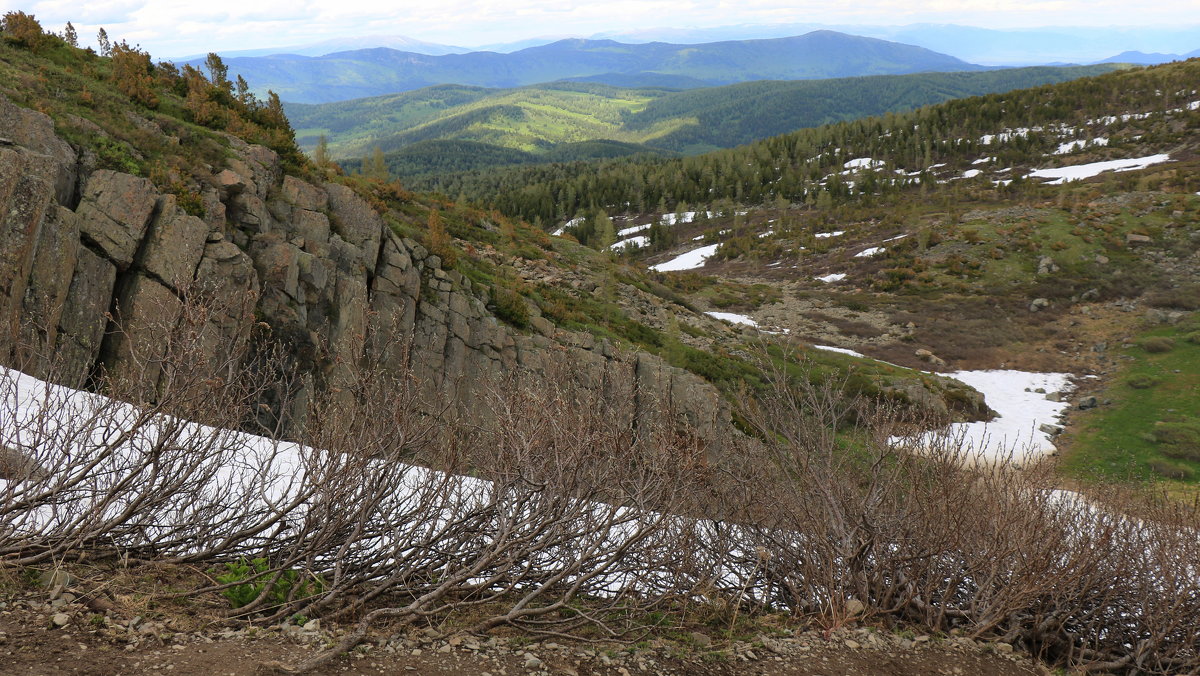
(556, 510)
(837, 525)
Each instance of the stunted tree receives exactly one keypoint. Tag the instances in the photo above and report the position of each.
(439, 239)
(70, 36)
(321, 152)
(376, 167)
(133, 74)
(218, 72)
(104, 43)
(23, 30)
(244, 96)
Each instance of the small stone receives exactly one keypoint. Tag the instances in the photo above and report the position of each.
(854, 607)
(60, 619)
(1003, 648)
(532, 662)
(852, 644)
(1052, 430)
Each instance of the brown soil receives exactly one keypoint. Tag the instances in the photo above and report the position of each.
(30, 646)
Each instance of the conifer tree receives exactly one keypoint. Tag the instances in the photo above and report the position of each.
(321, 152)
(218, 72)
(103, 42)
(439, 239)
(70, 36)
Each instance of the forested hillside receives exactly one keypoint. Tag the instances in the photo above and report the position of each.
(546, 123)
(906, 149)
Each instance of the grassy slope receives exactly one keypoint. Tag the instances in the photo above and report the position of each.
(1152, 425)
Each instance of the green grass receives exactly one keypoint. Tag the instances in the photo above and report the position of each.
(1152, 428)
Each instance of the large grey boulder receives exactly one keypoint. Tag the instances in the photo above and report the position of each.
(114, 213)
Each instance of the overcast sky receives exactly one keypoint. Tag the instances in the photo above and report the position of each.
(179, 27)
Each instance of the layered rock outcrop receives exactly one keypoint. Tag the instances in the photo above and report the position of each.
(95, 268)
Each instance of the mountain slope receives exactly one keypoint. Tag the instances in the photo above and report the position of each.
(543, 118)
(369, 72)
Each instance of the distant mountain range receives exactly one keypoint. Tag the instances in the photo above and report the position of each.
(991, 46)
(371, 72)
(398, 42)
(1144, 59)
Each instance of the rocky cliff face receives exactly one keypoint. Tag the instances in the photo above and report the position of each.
(95, 266)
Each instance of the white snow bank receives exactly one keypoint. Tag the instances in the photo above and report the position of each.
(733, 318)
(569, 224)
(867, 253)
(863, 163)
(1082, 171)
(1072, 146)
(1014, 435)
(971, 173)
(835, 233)
(635, 242)
(687, 261)
(835, 277)
(840, 350)
(625, 232)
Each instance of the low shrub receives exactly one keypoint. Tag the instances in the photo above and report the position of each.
(1170, 470)
(1158, 345)
(1141, 381)
(286, 585)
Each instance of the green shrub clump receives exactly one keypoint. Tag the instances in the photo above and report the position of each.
(289, 584)
(1141, 382)
(1158, 345)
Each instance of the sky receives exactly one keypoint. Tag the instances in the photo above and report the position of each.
(179, 27)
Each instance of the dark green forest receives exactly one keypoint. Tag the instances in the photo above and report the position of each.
(806, 166)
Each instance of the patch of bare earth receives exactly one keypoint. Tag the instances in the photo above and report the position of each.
(32, 643)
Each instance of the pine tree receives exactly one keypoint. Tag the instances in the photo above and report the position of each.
(243, 93)
(70, 36)
(439, 239)
(218, 72)
(321, 152)
(377, 167)
(133, 74)
(103, 42)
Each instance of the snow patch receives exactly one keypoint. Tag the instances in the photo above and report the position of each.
(840, 350)
(1082, 171)
(687, 261)
(733, 318)
(829, 279)
(1013, 436)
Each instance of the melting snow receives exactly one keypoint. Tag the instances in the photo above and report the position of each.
(625, 232)
(1014, 434)
(569, 224)
(1072, 146)
(1082, 171)
(835, 233)
(687, 261)
(867, 253)
(835, 277)
(733, 318)
(840, 350)
(971, 173)
(636, 242)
